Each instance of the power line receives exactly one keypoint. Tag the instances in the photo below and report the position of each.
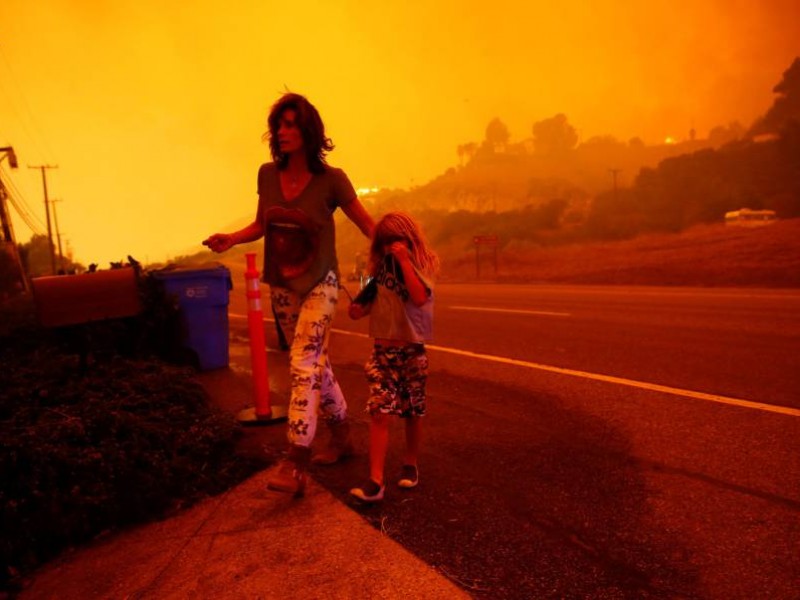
(5, 218)
(33, 222)
(23, 208)
(25, 217)
(31, 119)
(21, 211)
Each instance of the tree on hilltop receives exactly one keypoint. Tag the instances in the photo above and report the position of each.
(721, 135)
(497, 133)
(466, 152)
(786, 106)
(554, 135)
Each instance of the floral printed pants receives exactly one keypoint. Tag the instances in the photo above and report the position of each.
(306, 323)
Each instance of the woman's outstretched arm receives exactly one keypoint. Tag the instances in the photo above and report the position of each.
(220, 242)
(356, 212)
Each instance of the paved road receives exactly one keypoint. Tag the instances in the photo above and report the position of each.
(739, 343)
(555, 467)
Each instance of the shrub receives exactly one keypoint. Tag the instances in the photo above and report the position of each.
(82, 451)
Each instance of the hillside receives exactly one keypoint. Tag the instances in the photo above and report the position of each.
(514, 176)
(706, 255)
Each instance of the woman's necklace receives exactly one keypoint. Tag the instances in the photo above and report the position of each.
(293, 183)
(294, 180)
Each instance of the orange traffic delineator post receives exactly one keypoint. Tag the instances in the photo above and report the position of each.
(263, 413)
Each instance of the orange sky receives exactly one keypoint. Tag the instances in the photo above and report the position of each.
(154, 114)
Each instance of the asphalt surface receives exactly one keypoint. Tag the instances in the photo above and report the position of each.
(740, 343)
(582, 442)
(537, 483)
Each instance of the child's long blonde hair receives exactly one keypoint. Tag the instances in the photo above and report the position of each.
(395, 226)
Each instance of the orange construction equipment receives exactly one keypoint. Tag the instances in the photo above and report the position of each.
(262, 413)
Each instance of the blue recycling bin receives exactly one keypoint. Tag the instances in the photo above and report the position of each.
(202, 295)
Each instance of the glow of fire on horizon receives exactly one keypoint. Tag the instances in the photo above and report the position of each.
(154, 113)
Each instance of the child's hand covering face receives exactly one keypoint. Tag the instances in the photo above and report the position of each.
(399, 250)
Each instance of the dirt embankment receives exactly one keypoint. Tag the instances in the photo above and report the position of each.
(711, 255)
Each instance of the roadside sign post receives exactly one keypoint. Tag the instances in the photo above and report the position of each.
(484, 240)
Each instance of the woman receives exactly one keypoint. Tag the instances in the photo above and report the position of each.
(297, 195)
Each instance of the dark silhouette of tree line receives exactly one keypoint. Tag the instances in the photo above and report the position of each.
(671, 186)
(552, 188)
(759, 171)
(35, 255)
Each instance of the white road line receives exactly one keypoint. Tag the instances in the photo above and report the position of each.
(511, 310)
(587, 290)
(653, 387)
(784, 410)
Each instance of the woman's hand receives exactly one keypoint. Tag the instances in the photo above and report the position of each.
(219, 242)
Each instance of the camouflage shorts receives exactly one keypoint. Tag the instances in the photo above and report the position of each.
(396, 376)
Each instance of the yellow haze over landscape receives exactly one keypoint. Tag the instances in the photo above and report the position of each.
(153, 112)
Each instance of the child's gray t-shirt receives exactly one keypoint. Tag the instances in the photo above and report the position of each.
(393, 315)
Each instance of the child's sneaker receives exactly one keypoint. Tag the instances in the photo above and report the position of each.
(369, 492)
(409, 477)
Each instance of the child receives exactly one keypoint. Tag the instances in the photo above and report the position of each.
(399, 300)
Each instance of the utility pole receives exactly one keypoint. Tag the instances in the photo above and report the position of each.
(7, 240)
(6, 226)
(58, 234)
(614, 173)
(5, 218)
(47, 212)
